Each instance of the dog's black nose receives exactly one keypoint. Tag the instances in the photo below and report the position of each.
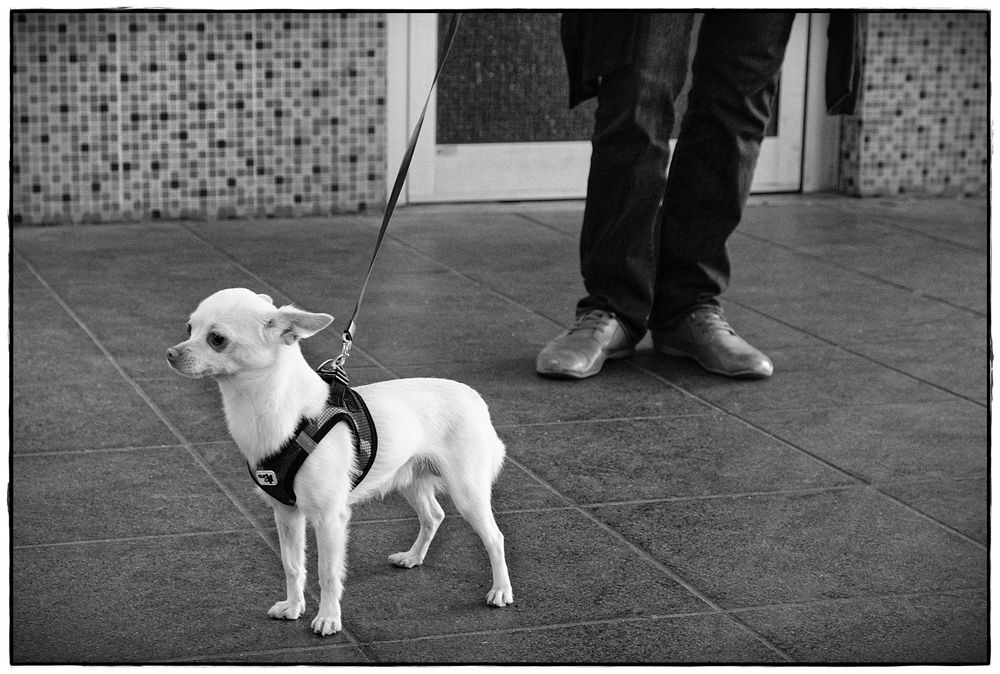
(172, 353)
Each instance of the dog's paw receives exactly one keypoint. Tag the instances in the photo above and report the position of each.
(287, 610)
(405, 560)
(325, 625)
(500, 596)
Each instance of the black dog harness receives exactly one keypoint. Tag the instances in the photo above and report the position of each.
(276, 473)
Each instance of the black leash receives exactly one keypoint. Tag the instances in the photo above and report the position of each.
(404, 167)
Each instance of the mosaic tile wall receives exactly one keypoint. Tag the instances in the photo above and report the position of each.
(922, 126)
(134, 116)
(144, 115)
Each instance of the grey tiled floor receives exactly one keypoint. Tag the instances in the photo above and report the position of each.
(834, 513)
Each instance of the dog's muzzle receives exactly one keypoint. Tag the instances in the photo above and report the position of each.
(175, 356)
(180, 361)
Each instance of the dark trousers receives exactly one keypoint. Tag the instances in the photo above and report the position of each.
(653, 245)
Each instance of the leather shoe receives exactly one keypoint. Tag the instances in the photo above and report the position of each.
(705, 336)
(580, 352)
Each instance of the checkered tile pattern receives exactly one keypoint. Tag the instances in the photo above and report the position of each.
(922, 127)
(145, 115)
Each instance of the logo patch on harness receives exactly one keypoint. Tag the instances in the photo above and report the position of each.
(266, 478)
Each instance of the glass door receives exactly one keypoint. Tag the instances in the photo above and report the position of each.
(499, 127)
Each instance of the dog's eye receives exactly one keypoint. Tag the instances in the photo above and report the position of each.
(189, 329)
(216, 341)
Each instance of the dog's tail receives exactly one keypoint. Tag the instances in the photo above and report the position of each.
(491, 443)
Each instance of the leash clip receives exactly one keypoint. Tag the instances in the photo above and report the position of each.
(335, 366)
(345, 350)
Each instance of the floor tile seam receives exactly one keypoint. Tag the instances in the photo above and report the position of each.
(104, 282)
(258, 529)
(887, 222)
(600, 420)
(270, 286)
(847, 349)
(542, 627)
(227, 441)
(134, 539)
(881, 218)
(972, 248)
(93, 450)
(815, 457)
(858, 598)
(804, 491)
(930, 518)
(643, 554)
(225, 657)
(846, 406)
(910, 375)
(546, 226)
(862, 273)
(928, 479)
(906, 341)
(54, 383)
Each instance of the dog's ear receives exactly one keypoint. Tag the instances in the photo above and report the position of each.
(291, 324)
(266, 298)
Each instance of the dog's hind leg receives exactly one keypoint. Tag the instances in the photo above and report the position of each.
(474, 506)
(420, 495)
(291, 525)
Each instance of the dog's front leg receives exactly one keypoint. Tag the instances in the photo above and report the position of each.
(292, 538)
(331, 546)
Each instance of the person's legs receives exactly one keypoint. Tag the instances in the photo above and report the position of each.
(628, 172)
(734, 82)
(632, 127)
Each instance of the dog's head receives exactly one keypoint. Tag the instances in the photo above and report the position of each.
(238, 330)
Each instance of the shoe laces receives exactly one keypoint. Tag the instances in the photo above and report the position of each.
(709, 319)
(595, 319)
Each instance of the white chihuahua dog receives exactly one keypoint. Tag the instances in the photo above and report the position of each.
(432, 434)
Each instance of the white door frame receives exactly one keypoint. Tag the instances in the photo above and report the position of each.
(397, 86)
(821, 135)
(411, 40)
